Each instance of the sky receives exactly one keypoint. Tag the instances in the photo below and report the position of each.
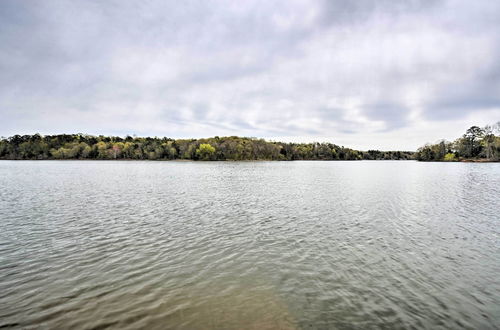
(367, 74)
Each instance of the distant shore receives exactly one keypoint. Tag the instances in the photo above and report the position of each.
(230, 148)
(195, 161)
(253, 160)
(477, 145)
(478, 161)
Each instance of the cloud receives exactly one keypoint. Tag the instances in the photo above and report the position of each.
(370, 73)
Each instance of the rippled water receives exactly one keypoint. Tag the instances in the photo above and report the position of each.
(250, 245)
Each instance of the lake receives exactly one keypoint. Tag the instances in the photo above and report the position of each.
(249, 245)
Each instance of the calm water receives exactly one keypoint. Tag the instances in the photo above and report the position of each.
(250, 245)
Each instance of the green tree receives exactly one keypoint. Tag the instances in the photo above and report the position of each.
(102, 150)
(205, 152)
(471, 141)
(449, 157)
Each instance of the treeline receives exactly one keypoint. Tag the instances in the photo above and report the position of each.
(476, 144)
(81, 146)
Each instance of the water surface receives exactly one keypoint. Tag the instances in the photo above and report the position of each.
(249, 245)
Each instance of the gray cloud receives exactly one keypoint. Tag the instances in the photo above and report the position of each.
(363, 72)
(345, 11)
(468, 94)
(393, 115)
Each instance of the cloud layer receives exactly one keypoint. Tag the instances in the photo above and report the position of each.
(367, 74)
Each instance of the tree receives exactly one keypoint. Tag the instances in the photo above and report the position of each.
(102, 149)
(472, 143)
(450, 157)
(86, 151)
(205, 152)
(488, 143)
(475, 143)
(117, 149)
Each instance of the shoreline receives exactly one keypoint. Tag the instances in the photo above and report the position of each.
(260, 160)
(222, 160)
(460, 161)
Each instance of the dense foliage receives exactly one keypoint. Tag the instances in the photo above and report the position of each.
(80, 146)
(476, 144)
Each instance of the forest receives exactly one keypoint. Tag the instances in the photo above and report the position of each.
(477, 144)
(82, 146)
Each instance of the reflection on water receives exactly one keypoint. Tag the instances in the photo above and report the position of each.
(253, 245)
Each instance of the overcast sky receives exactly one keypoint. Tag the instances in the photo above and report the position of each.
(365, 74)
